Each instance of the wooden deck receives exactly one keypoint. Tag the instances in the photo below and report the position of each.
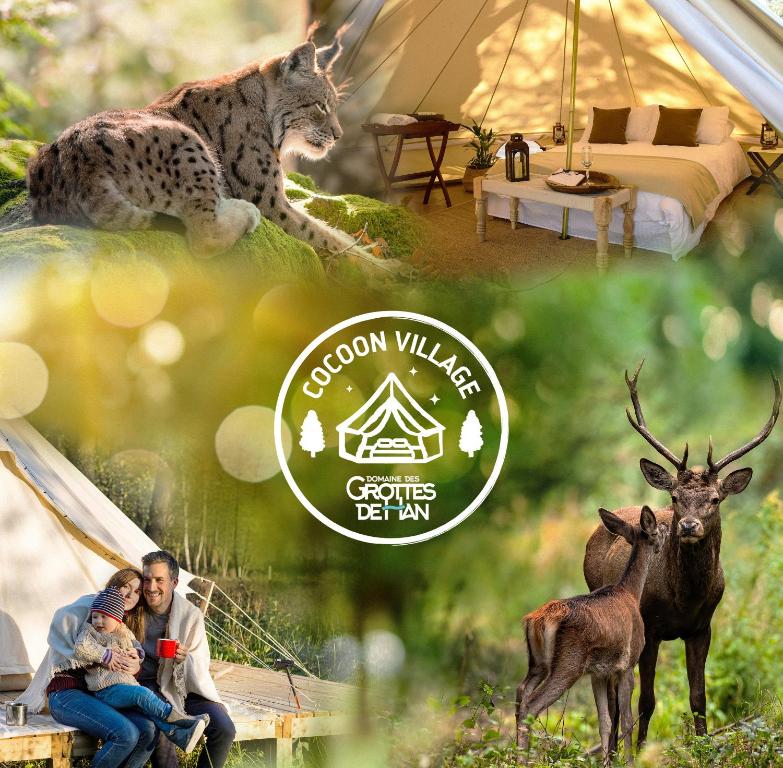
(261, 703)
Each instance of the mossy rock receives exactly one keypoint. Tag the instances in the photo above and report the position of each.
(401, 229)
(278, 255)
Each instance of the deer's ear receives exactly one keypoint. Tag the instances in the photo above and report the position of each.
(616, 525)
(647, 521)
(656, 475)
(736, 482)
(300, 59)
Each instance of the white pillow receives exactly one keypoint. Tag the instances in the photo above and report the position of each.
(641, 124)
(713, 125)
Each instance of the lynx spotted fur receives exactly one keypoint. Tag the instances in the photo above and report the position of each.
(207, 152)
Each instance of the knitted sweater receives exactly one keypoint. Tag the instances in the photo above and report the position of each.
(90, 649)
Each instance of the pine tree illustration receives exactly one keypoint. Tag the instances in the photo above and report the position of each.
(470, 439)
(311, 435)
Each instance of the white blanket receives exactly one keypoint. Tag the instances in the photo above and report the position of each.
(660, 223)
(186, 624)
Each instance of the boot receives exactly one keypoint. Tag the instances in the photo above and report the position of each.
(186, 738)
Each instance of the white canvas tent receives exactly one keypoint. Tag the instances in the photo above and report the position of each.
(60, 538)
(390, 426)
(507, 62)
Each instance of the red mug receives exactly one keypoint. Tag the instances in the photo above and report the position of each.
(166, 648)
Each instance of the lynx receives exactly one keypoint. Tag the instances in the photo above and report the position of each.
(209, 153)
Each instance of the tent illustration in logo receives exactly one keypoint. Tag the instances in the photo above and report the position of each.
(390, 426)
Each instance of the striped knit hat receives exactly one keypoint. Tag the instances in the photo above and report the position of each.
(110, 602)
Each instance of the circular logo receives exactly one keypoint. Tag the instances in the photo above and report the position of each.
(400, 427)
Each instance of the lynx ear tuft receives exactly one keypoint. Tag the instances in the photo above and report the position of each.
(329, 54)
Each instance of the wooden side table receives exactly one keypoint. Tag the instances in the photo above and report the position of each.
(600, 205)
(768, 176)
(422, 129)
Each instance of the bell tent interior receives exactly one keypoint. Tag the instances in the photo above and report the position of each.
(62, 539)
(509, 66)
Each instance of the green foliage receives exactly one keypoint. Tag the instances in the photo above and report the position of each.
(482, 144)
(24, 23)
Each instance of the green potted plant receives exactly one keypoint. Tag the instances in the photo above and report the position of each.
(483, 158)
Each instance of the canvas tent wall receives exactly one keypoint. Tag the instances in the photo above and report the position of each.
(506, 62)
(60, 538)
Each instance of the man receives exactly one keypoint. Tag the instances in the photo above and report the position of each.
(184, 681)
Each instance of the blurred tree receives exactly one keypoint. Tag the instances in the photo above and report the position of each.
(24, 27)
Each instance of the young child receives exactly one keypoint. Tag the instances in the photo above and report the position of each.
(105, 633)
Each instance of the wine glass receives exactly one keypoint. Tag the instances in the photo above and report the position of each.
(587, 160)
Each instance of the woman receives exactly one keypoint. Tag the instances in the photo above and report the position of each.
(128, 738)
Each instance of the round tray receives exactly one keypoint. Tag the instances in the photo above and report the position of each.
(599, 182)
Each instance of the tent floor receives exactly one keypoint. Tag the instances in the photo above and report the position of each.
(262, 708)
(453, 253)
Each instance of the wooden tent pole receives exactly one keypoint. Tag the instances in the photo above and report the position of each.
(571, 110)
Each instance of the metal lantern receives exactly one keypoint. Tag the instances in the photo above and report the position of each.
(559, 134)
(517, 158)
(769, 136)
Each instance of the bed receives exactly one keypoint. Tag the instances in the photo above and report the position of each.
(662, 223)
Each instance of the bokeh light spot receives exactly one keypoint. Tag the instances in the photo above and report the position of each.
(245, 444)
(129, 294)
(384, 653)
(24, 379)
(163, 342)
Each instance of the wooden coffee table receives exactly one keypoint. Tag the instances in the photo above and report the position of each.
(536, 190)
(423, 129)
(768, 175)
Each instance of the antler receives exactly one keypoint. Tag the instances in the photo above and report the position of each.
(717, 466)
(640, 426)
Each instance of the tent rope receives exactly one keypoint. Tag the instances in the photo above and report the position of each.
(565, 50)
(679, 52)
(622, 53)
(350, 13)
(451, 55)
(391, 13)
(395, 49)
(223, 637)
(505, 62)
(271, 640)
(265, 637)
(215, 627)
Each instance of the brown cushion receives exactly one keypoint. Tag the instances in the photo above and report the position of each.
(609, 126)
(677, 127)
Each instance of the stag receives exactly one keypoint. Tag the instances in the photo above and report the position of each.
(600, 634)
(685, 583)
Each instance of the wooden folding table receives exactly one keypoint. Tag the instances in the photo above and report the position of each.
(768, 175)
(422, 129)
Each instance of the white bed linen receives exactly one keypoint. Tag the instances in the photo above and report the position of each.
(660, 223)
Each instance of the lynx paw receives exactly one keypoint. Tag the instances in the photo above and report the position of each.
(233, 219)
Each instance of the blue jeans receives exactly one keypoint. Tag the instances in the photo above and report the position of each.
(128, 738)
(136, 697)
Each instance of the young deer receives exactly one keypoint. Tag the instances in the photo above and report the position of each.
(686, 582)
(600, 634)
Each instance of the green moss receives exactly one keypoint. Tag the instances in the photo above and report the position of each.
(276, 254)
(296, 194)
(302, 180)
(402, 230)
(10, 198)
